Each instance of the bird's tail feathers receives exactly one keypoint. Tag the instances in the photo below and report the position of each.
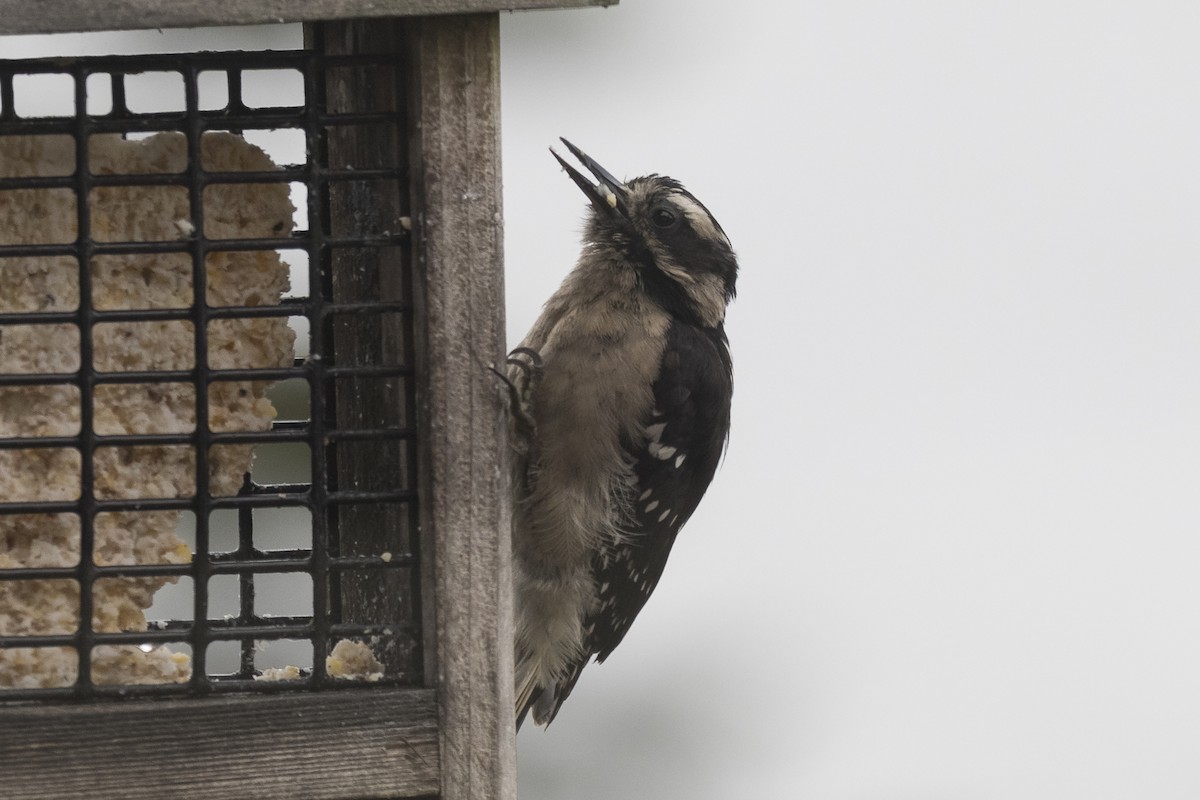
(528, 693)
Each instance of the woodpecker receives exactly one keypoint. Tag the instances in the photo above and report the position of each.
(620, 401)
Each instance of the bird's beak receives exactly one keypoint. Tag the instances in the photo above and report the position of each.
(608, 194)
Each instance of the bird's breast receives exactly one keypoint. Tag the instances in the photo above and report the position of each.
(595, 394)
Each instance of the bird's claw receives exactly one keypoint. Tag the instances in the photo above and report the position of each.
(522, 383)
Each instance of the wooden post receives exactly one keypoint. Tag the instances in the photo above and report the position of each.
(455, 159)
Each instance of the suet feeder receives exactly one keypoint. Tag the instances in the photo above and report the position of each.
(258, 380)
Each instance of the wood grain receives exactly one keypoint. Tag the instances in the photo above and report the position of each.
(323, 746)
(458, 225)
(57, 16)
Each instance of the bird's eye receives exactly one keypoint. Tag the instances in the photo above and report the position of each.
(662, 217)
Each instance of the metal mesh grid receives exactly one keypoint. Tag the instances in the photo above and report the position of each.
(340, 553)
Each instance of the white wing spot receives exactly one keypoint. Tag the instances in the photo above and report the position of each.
(654, 432)
(679, 460)
(604, 587)
(663, 515)
(646, 494)
(661, 452)
(674, 519)
(651, 506)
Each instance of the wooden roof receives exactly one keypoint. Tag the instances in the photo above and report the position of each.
(58, 16)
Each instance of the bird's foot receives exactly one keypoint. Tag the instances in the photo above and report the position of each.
(522, 379)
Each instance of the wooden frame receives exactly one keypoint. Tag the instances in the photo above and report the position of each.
(325, 746)
(54, 16)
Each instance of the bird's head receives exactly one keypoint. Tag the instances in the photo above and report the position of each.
(682, 257)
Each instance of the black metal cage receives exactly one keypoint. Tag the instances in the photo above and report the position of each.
(138, 362)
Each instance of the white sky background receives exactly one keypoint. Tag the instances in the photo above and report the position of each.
(953, 552)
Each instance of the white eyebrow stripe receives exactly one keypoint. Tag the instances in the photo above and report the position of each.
(702, 223)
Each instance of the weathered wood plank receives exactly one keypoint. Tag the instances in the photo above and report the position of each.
(319, 746)
(57, 16)
(455, 158)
